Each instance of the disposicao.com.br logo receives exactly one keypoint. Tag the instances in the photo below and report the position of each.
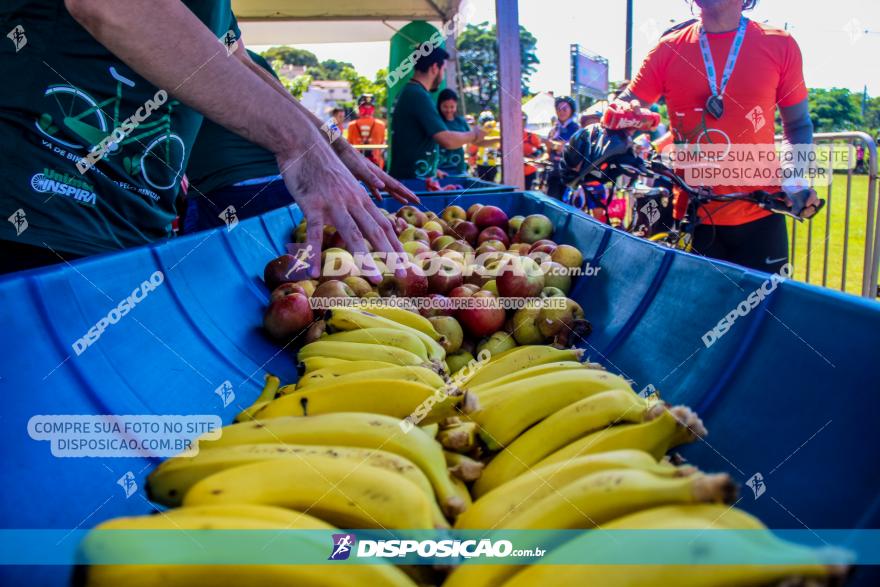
(344, 545)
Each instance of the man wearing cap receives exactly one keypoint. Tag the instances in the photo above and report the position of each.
(368, 130)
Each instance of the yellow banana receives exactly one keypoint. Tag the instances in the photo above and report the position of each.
(188, 575)
(314, 363)
(353, 429)
(518, 359)
(593, 500)
(463, 467)
(459, 437)
(406, 318)
(359, 497)
(395, 337)
(508, 499)
(560, 429)
(517, 406)
(357, 369)
(170, 481)
(795, 560)
(343, 319)
(672, 427)
(356, 352)
(462, 492)
(267, 513)
(268, 393)
(393, 397)
(431, 429)
(527, 373)
(319, 379)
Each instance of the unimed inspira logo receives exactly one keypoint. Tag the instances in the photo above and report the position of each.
(343, 544)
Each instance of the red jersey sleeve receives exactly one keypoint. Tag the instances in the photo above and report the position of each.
(647, 85)
(792, 89)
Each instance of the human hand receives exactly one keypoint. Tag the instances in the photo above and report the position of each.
(375, 178)
(479, 134)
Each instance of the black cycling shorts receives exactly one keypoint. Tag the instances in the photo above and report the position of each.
(761, 244)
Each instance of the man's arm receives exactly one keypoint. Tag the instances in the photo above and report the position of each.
(797, 132)
(166, 44)
(453, 139)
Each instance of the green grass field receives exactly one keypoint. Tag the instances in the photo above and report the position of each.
(832, 275)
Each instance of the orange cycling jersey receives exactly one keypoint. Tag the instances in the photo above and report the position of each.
(768, 73)
(368, 131)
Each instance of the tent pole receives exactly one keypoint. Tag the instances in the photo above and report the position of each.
(510, 92)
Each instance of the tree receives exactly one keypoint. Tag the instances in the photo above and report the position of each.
(329, 69)
(478, 62)
(291, 56)
(835, 110)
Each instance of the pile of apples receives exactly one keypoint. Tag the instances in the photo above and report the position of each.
(459, 253)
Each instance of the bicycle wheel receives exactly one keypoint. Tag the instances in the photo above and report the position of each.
(65, 113)
(162, 162)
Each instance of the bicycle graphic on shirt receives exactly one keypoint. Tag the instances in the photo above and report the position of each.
(160, 163)
(702, 134)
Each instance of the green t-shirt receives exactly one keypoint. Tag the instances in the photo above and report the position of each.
(64, 96)
(221, 158)
(414, 122)
(453, 161)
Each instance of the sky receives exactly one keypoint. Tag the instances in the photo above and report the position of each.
(837, 51)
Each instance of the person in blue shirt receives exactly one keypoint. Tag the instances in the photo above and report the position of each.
(565, 127)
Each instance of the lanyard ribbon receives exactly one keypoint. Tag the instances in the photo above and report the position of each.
(709, 62)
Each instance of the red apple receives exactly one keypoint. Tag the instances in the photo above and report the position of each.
(473, 210)
(534, 228)
(334, 288)
(545, 249)
(482, 322)
(284, 269)
(414, 284)
(541, 243)
(432, 225)
(520, 248)
(438, 305)
(513, 225)
(337, 263)
(444, 275)
(412, 234)
(490, 216)
(464, 230)
(286, 317)
(460, 246)
(493, 233)
(358, 285)
(416, 247)
(412, 215)
(286, 289)
(399, 224)
(451, 213)
(433, 235)
(464, 291)
(519, 277)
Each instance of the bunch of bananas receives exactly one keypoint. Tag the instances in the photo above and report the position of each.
(377, 434)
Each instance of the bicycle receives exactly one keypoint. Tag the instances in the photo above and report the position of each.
(161, 161)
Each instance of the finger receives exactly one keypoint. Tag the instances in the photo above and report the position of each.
(400, 192)
(372, 179)
(370, 228)
(315, 238)
(354, 240)
(385, 226)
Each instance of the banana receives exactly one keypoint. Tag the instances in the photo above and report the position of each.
(672, 427)
(431, 429)
(463, 467)
(266, 513)
(463, 492)
(395, 337)
(527, 373)
(558, 430)
(314, 363)
(515, 406)
(508, 499)
(268, 393)
(393, 397)
(794, 561)
(360, 497)
(355, 352)
(325, 377)
(188, 575)
(342, 370)
(593, 500)
(459, 437)
(352, 429)
(342, 319)
(519, 359)
(406, 318)
(170, 481)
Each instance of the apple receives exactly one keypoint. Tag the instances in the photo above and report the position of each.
(464, 230)
(464, 291)
(460, 246)
(444, 275)
(458, 361)
(433, 235)
(534, 228)
(552, 292)
(567, 256)
(432, 225)
(371, 294)
(542, 242)
(555, 275)
(439, 305)
(287, 316)
(358, 285)
(513, 225)
(412, 215)
(451, 213)
(412, 234)
(483, 321)
(490, 247)
(473, 210)
(490, 216)
(493, 233)
(308, 286)
(337, 263)
(491, 286)
(520, 248)
(497, 343)
(544, 249)
(301, 232)
(283, 269)
(525, 325)
(286, 289)
(413, 284)
(519, 277)
(399, 224)
(334, 288)
(442, 242)
(478, 278)
(450, 331)
(416, 247)
(431, 215)
(553, 321)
